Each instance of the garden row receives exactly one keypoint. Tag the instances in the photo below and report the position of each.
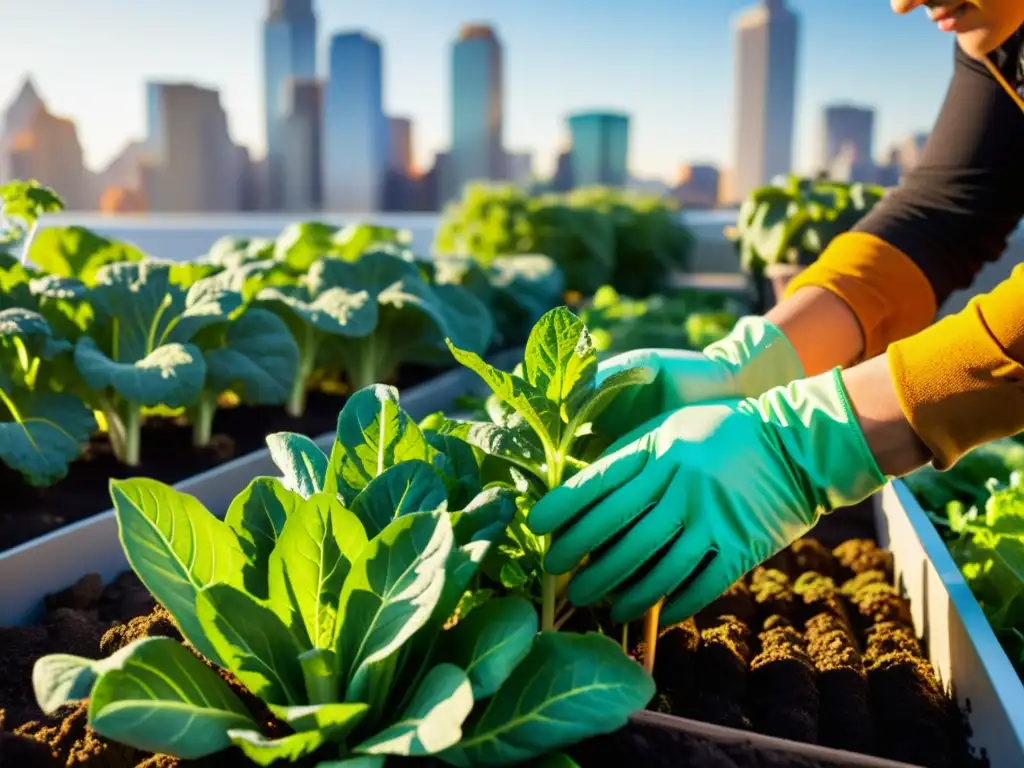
(385, 599)
(128, 364)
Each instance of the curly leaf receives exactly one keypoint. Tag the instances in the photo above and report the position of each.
(258, 359)
(171, 375)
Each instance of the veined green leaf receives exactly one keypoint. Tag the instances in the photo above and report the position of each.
(560, 359)
(264, 751)
(303, 465)
(530, 402)
(253, 642)
(337, 311)
(308, 567)
(358, 761)
(41, 432)
(258, 361)
(373, 434)
(337, 719)
(402, 489)
(490, 642)
(257, 516)
(171, 375)
(568, 688)
(176, 548)
(591, 403)
(62, 678)
(390, 593)
(433, 720)
(460, 466)
(486, 517)
(519, 446)
(78, 252)
(163, 699)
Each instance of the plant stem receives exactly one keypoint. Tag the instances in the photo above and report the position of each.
(651, 634)
(202, 420)
(296, 405)
(625, 637)
(28, 243)
(132, 434)
(564, 618)
(548, 587)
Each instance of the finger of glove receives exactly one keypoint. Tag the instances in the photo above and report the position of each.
(603, 521)
(562, 505)
(624, 557)
(674, 567)
(701, 592)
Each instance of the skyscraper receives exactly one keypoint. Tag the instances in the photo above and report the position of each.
(192, 163)
(477, 152)
(289, 51)
(49, 152)
(846, 126)
(400, 145)
(355, 140)
(600, 145)
(766, 38)
(303, 123)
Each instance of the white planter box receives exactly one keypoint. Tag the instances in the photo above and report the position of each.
(960, 644)
(58, 559)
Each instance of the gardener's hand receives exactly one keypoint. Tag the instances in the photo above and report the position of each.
(752, 359)
(721, 485)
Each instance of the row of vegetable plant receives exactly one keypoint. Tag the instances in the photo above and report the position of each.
(596, 235)
(91, 326)
(978, 507)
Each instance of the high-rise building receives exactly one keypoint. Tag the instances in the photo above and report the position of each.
(847, 129)
(301, 144)
(192, 164)
(48, 151)
(698, 186)
(289, 51)
(477, 151)
(400, 145)
(600, 145)
(519, 167)
(903, 156)
(355, 127)
(766, 38)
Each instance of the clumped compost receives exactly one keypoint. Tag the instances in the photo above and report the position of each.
(817, 646)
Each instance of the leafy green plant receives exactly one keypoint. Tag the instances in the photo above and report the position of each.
(518, 290)
(329, 594)
(77, 252)
(595, 236)
(793, 222)
(542, 422)
(41, 429)
(364, 318)
(139, 348)
(619, 323)
(301, 245)
(22, 203)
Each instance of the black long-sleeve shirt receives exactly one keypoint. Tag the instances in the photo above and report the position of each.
(958, 206)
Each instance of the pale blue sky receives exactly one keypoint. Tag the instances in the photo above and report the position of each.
(668, 62)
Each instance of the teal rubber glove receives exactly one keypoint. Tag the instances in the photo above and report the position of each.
(724, 484)
(752, 359)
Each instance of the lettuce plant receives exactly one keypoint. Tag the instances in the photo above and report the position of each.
(22, 204)
(41, 429)
(139, 352)
(301, 245)
(329, 594)
(79, 253)
(542, 412)
(365, 317)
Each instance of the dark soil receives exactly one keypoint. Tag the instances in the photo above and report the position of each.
(167, 455)
(815, 646)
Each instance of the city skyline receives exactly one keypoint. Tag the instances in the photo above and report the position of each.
(665, 133)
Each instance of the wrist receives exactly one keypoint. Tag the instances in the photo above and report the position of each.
(891, 439)
(801, 318)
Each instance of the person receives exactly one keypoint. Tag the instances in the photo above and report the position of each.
(729, 456)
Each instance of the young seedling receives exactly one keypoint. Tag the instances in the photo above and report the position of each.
(545, 413)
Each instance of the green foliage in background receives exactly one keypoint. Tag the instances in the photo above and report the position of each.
(794, 221)
(596, 236)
